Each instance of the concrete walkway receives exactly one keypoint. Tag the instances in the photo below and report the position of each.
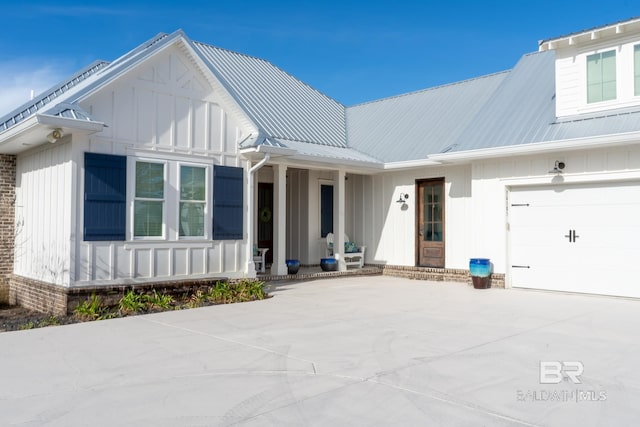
(363, 351)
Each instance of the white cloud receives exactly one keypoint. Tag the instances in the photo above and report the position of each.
(20, 77)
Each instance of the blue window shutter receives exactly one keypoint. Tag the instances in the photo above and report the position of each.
(228, 203)
(105, 197)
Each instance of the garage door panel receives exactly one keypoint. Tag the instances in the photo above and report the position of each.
(583, 238)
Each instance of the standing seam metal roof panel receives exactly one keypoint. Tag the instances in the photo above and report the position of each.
(521, 109)
(30, 108)
(415, 125)
(283, 106)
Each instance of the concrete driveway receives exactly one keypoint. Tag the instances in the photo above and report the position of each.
(369, 351)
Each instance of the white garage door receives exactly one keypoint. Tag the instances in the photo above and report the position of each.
(576, 238)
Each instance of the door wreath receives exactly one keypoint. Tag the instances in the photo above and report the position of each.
(265, 215)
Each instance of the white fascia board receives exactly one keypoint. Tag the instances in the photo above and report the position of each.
(273, 151)
(539, 147)
(337, 163)
(278, 151)
(64, 122)
(21, 127)
(586, 35)
(412, 164)
(107, 76)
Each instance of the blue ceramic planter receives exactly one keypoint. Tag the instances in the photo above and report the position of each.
(480, 270)
(480, 267)
(329, 264)
(293, 265)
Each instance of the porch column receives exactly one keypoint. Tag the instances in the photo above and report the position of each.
(279, 266)
(338, 218)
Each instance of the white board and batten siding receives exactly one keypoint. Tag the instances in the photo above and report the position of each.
(571, 77)
(521, 215)
(389, 230)
(44, 190)
(166, 111)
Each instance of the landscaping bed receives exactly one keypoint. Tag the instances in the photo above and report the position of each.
(132, 303)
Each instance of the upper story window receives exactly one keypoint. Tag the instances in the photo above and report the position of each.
(601, 76)
(192, 200)
(149, 200)
(636, 69)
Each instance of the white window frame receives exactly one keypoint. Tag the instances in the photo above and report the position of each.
(636, 71)
(133, 198)
(207, 200)
(617, 77)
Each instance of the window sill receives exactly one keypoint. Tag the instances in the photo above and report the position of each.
(166, 244)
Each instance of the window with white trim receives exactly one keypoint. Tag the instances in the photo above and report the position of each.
(636, 69)
(149, 200)
(601, 76)
(193, 190)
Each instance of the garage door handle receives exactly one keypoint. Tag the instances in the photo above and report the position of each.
(520, 266)
(572, 236)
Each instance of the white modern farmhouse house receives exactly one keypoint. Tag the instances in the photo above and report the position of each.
(178, 159)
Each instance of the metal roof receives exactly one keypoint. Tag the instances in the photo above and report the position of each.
(523, 111)
(520, 110)
(281, 105)
(325, 151)
(503, 109)
(71, 111)
(37, 104)
(412, 126)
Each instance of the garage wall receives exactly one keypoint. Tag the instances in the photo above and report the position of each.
(491, 180)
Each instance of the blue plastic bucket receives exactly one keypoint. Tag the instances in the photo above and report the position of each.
(480, 267)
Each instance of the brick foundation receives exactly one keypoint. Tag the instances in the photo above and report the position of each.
(438, 274)
(7, 220)
(59, 300)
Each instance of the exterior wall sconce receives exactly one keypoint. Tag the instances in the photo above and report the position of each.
(403, 198)
(557, 168)
(55, 135)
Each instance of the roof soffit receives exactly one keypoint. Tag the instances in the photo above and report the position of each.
(617, 30)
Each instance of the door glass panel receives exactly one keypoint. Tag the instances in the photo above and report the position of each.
(428, 232)
(437, 213)
(437, 232)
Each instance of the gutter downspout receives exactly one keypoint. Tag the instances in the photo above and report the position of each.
(251, 268)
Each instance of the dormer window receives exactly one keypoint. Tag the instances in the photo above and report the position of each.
(636, 69)
(601, 76)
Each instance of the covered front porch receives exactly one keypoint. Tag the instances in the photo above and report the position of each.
(292, 209)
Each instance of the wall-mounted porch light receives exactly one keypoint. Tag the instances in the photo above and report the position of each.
(557, 168)
(403, 198)
(55, 135)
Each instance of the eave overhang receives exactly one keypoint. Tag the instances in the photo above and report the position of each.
(33, 131)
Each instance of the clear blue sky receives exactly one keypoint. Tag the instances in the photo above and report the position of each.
(353, 51)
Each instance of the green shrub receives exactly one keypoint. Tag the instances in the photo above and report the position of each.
(220, 293)
(91, 309)
(197, 299)
(159, 301)
(132, 302)
(249, 290)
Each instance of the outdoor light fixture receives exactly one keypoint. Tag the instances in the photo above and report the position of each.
(557, 168)
(55, 135)
(403, 198)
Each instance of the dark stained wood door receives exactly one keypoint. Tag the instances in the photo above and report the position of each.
(430, 223)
